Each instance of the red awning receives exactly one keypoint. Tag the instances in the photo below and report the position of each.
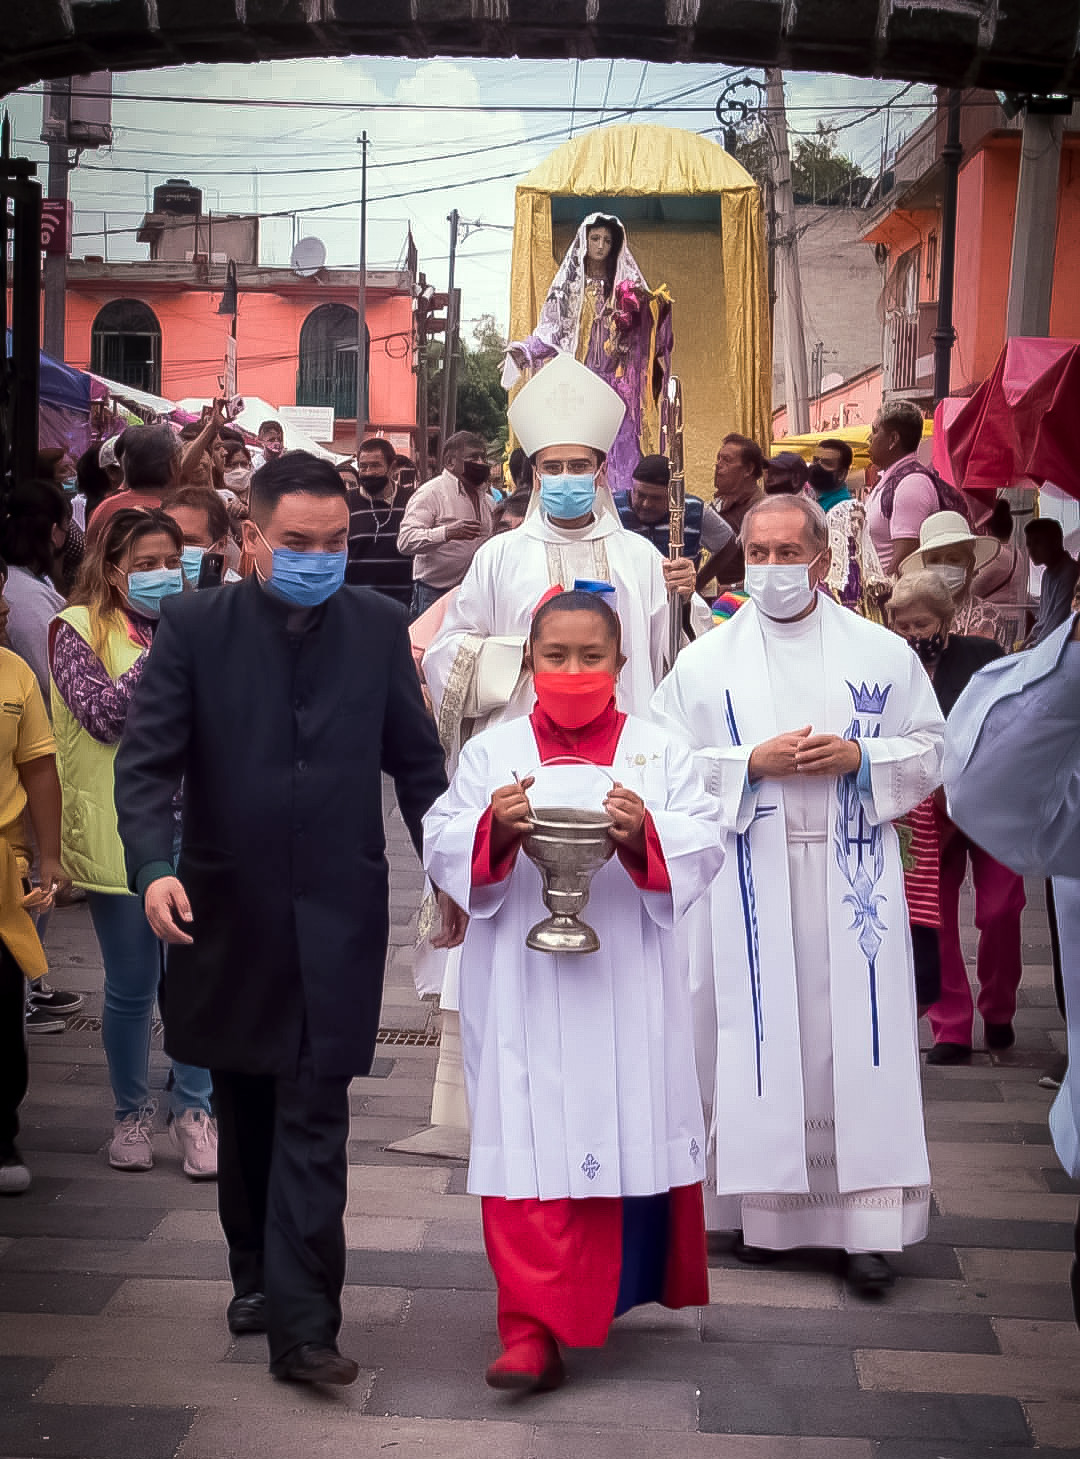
(1023, 421)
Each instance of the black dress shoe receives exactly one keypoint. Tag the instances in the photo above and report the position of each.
(313, 1363)
(868, 1274)
(246, 1314)
(999, 1035)
(753, 1255)
(946, 1053)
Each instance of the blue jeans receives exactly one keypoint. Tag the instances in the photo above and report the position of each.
(132, 958)
(423, 595)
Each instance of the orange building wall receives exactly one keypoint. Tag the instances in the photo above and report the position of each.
(986, 210)
(193, 338)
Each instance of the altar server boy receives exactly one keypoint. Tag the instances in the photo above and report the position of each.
(587, 1134)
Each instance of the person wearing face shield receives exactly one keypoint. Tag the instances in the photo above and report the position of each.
(949, 547)
(446, 520)
(279, 703)
(816, 730)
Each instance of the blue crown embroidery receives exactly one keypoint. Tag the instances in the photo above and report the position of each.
(867, 700)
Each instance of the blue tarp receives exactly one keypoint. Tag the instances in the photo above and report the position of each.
(61, 385)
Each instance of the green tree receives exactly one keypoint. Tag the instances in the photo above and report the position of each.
(823, 175)
(820, 173)
(481, 400)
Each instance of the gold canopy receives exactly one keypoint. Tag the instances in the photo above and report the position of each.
(694, 222)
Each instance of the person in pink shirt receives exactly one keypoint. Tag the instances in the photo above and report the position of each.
(905, 494)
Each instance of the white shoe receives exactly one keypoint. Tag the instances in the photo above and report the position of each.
(130, 1147)
(14, 1176)
(195, 1135)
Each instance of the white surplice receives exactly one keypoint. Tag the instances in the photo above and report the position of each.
(507, 578)
(579, 1069)
(493, 612)
(809, 970)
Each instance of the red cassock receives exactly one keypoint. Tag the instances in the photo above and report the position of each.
(570, 1266)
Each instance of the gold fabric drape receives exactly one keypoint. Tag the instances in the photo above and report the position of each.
(715, 272)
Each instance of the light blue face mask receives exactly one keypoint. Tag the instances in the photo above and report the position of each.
(146, 590)
(305, 579)
(566, 497)
(191, 563)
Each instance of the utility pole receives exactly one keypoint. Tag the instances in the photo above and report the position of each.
(789, 283)
(1031, 273)
(55, 297)
(944, 336)
(361, 302)
(448, 407)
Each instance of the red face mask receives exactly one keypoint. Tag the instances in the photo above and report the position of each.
(574, 700)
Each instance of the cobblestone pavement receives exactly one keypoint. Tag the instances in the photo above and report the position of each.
(113, 1343)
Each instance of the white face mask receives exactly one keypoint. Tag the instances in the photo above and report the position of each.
(780, 589)
(955, 578)
(238, 478)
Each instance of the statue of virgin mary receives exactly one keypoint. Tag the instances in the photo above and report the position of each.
(600, 310)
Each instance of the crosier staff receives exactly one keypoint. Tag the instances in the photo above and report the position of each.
(671, 446)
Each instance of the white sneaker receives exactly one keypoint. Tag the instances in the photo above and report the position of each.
(195, 1135)
(14, 1176)
(130, 1147)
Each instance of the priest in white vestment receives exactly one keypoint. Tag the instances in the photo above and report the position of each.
(566, 419)
(588, 1144)
(817, 730)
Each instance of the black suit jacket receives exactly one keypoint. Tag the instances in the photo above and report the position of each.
(280, 740)
(965, 654)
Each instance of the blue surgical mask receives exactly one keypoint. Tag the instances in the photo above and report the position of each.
(305, 579)
(567, 497)
(70, 485)
(146, 590)
(191, 563)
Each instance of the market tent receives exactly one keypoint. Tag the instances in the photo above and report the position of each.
(251, 417)
(1021, 423)
(64, 396)
(694, 222)
(856, 437)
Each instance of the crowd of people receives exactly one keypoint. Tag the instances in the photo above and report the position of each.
(217, 648)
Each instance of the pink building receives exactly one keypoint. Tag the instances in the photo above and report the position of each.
(155, 325)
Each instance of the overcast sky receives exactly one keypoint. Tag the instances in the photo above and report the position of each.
(303, 155)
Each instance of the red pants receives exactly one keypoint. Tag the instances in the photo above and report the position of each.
(999, 901)
(558, 1264)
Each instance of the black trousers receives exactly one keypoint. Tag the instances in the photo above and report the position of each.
(282, 1186)
(14, 1069)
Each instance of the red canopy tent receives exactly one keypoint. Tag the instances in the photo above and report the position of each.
(1023, 421)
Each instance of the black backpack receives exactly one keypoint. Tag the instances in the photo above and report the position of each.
(949, 498)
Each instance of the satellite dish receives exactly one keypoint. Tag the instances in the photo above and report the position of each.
(830, 382)
(308, 257)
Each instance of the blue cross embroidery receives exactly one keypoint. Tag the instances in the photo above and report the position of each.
(591, 1166)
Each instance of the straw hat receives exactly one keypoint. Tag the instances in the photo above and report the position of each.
(946, 529)
(566, 404)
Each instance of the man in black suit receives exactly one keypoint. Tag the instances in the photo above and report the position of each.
(277, 703)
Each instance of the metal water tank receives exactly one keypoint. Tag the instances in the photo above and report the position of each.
(179, 198)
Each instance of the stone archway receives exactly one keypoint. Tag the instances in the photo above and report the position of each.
(952, 42)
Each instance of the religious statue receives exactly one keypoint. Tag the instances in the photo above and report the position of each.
(600, 310)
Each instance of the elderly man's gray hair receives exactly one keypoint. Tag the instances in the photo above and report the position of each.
(149, 456)
(815, 525)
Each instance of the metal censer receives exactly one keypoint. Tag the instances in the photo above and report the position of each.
(567, 846)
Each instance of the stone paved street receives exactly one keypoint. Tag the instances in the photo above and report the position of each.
(113, 1343)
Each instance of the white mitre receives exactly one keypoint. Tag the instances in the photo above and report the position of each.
(566, 404)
